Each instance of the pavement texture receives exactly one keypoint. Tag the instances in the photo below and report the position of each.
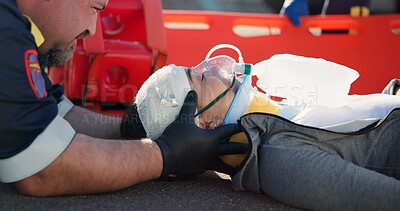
(209, 191)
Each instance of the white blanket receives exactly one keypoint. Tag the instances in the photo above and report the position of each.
(361, 111)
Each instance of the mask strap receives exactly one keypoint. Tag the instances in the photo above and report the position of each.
(219, 46)
(217, 98)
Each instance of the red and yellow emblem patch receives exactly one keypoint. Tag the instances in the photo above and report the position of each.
(34, 74)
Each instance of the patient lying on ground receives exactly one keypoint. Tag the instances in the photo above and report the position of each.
(223, 98)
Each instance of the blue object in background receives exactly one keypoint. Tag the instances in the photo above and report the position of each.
(295, 9)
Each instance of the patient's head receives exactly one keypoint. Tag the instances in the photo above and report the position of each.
(208, 88)
(160, 99)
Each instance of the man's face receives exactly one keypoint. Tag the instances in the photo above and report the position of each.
(59, 56)
(64, 23)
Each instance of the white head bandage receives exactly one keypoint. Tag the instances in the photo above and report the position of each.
(160, 99)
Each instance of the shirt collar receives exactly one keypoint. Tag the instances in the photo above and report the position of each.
(39, 39)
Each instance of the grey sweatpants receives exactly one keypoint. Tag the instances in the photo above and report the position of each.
(321, 170)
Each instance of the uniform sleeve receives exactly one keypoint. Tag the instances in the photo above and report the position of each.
(55, 90)
(26, 106)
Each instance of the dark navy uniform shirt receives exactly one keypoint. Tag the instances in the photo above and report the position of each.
(28, 100)
(344, 6)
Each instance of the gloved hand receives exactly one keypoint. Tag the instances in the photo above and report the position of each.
(187, 149)
(295, 8)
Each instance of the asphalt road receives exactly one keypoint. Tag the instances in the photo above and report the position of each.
(208, 191)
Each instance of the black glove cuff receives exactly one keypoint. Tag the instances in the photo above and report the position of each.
(167, 156)
(131, 126)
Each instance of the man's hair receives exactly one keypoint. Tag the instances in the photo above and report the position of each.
(131, 125)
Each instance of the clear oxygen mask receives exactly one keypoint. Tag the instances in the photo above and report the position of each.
(232, 73)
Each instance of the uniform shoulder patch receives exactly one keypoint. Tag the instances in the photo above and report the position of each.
(34, 74)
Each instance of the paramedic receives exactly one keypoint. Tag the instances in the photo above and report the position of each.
(49, 146)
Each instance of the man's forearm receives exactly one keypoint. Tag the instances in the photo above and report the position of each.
(94, 124)
(91, 165)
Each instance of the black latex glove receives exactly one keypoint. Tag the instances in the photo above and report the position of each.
(188, 150)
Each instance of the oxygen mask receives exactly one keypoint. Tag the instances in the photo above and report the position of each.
(224, 68)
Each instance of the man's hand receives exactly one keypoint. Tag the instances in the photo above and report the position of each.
(295, 8)
(187, 149)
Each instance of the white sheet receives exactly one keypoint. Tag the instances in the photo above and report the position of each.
(360, 111)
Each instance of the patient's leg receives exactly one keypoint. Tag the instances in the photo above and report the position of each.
(316, 169)
(307, 177)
